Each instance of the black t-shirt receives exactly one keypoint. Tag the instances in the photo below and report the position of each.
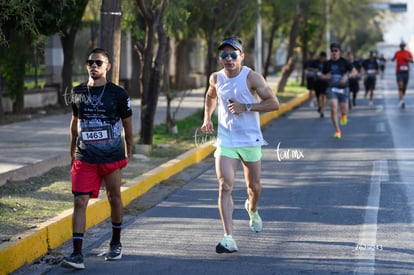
(319, 65)
(99, 111)
(357, 65)
(337, 68)
(370, 66)
(311, 67)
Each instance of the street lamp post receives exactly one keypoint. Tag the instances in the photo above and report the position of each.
(328, 30)
(110, 34)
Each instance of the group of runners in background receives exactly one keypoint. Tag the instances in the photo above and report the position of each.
(337, 79)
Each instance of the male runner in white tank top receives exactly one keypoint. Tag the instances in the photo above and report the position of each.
(241, 94)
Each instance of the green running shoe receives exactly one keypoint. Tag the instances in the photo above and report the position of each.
(255, 223)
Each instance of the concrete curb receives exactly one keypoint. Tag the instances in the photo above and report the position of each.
(53, 233)
(34, 170)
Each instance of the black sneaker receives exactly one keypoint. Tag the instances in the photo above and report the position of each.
(114, 253)
(75, 260)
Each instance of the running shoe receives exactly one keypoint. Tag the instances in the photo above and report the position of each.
(227, 245)
(255, 223)
(344, 120)
(75, 260)
(321, 114)
(402, 104)
(114, 253)
(338, 134)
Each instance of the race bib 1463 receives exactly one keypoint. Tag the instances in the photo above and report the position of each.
(96, 134)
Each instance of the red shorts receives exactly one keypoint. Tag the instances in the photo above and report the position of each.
(87, 177)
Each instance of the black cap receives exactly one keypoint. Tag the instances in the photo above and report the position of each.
(402, 44)
(235, 43)
(335, 45)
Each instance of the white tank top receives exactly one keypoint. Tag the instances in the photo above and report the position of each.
(242, 129)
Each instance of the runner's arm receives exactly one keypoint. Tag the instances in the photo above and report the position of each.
(210, 103)
(73, 137)
(129, 138)
(269, 101)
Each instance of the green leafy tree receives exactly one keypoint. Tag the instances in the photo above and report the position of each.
(294, 27)
(301, 24)
(17, 14)
(63, 17)
(159, 18)
(17, 33)
(21, 25)
(354, 25)
(213, 20)
(277, 16)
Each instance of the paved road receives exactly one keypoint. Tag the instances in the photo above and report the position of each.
(329, 206)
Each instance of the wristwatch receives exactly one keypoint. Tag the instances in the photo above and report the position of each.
(248, 107)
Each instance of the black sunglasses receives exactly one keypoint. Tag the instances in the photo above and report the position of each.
(98, 63)
(233, 55)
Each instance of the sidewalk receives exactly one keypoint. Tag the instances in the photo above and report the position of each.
(31, 148)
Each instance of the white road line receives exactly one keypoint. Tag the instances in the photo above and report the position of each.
(368, 235)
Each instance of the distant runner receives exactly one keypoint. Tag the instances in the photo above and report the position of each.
(403, 58)
(321, 85)
(354, 80)
(370, 70)
(338, 70)
(382, 61)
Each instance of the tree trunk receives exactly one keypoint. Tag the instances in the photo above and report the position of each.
(148, 112)
(152, 70)
(270, 47)
(286, 72)
(305, 50)
(20, 60)
(211, 61)
(135, 83)
(169, 119)
(290, 64)
(147, 102)
(68, 45)
(2, 116)
(181, 66)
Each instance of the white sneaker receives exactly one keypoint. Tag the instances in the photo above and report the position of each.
(401, 104)
(255, 223)
(227, 245)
